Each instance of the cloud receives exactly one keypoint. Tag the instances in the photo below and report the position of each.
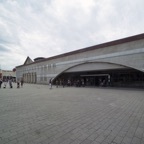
(3, 49)
(50, 27)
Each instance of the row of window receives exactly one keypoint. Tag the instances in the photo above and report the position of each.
(39, 67)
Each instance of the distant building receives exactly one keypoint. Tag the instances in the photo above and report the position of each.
(118, 63)
(7, 74)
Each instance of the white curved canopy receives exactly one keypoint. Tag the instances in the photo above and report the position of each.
(94, 66)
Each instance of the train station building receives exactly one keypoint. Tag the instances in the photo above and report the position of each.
(118, 63)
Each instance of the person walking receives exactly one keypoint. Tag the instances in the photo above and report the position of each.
(18, 83)
(5, 83)
(57, 83)
(22, 81)
(63, 83)
(10, 83)
(50, 83)
(1, 82)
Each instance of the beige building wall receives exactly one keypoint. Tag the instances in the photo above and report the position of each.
(8, 73)
(125, 54)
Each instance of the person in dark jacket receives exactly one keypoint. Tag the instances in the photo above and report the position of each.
(18, 83)
(50, 83)
(10, 83)
(22, 81)
(1, 82)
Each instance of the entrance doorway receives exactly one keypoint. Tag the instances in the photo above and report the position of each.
(112, 78)
(97, 79)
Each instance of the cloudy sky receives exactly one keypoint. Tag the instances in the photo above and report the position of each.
(44, 28)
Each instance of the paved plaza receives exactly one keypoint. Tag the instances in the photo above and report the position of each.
(36, 114)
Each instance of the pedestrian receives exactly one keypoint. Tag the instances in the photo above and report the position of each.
(83, 84)
(63, 83)
(5, 83)
(50, 83)
(1, 82)
(60, 83)
(22, 81)
(57, 83)
(18, 83)
(10, 83)
(68, 83)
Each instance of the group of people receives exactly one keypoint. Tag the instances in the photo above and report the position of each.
(10, 82)
(63, 83)
(58, 83)
(4, 83)
(80, 82)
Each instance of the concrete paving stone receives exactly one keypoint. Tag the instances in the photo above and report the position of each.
(127, 140)
(104, 142)
(100, 138)
(111, 127)
(106, 133)
(118, 140)
(54, 142)
(76, 141)
(141, 124)
(109, 139)
(41, 139)
(143, 135)
(86, 141)
(122, 134)
(131, 132)
(47, 141)
(95, 142)
(21, 142)
(4, 141)
(93, 136)
(90, 131)
(67, 141)
(75, 135)
(114, 133)
(139, 132)
(99, 131)
(142, 141)
(36, 115)
(136, 140)
(13, 142)
(126, 128)
(57, 141)
(83, 136)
